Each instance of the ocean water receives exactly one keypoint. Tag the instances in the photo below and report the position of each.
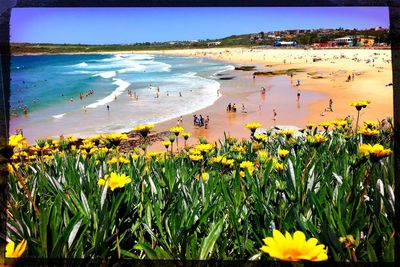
(49, 86)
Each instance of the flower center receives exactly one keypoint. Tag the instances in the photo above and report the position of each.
(292, 254)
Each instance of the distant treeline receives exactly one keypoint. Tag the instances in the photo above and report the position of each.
(246, 40)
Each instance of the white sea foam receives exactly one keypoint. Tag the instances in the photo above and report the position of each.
(131, 63)
(82, 64)
(226, 68)
(59, 116)
(106, 74)
(81, 72)
(122, 85)
(127, 56)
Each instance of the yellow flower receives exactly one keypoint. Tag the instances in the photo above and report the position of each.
(227, 162)
(154, 154)
(262, 155)
(247, 165)
(116, 137)
(287, 133)
(143, 129)
(15, 252)
(368, 132)
(186, 135)
(71, 138)
(217, 159)
(115, 180)
(134, 156)
(86, 145)
(319, 138)
(377, 150)
(371, 124)
(166, 143)
(204, 176)
(279, 166)
(196, 157)
(177, 130)
(237, 148)
(294, 248)
(253, 126)
(121, 160)
(310, 125)
(341, 123)
(194, 151)
(203, 148)
(325, 124)
(260, 137)
(283, 153)
(10, 167)
(360, 104)
(17, 141)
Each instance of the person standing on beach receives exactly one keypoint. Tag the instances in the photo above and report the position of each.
(274, 115)
(298, 82)
(201, 121)
(298, 95)
(206, 122)
(194, 120)
(331, 105)
(180, 94)
(181, 120)
(229, 108)
(108, 108)
(25, 110)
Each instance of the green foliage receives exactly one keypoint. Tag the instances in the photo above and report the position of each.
(169, 212)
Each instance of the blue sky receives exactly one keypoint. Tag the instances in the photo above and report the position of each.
(130, 25)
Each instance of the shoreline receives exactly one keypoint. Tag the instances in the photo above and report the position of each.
(325, 78)
(194, 49)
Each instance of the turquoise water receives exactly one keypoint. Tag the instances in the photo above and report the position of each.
(49, 86)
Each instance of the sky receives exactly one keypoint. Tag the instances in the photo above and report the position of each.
(131, 25)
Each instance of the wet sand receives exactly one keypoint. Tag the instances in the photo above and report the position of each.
(325, 77)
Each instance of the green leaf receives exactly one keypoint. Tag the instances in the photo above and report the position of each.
(147, 249)
(388, 255)
(208, 243)
(371, 253)
(63, 237)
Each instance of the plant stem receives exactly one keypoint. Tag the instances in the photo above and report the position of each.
(28, 194)
(358, 117)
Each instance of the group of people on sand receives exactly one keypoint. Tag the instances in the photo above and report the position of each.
(231, 108)
(200, 121)
(329, 108)
(135, 96)
(350, 77)
(88, 93)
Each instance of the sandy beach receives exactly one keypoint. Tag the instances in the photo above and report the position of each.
(321, 74)
(320, 80)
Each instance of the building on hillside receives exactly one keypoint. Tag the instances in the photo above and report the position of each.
(346, 41)
(213, 43)
(324, 44)
(366, 40)
(286, 44)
